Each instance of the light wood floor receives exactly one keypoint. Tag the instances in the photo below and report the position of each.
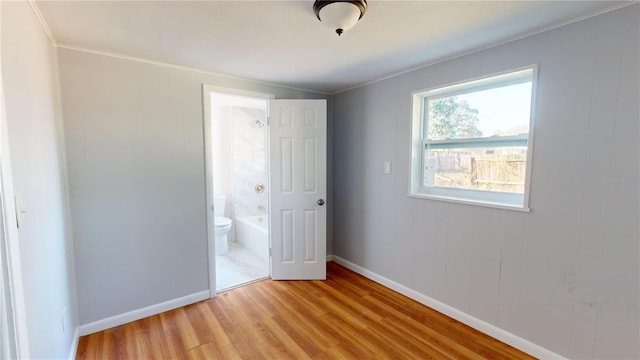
(344, 317)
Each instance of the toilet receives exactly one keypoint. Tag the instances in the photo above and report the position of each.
(222, 225)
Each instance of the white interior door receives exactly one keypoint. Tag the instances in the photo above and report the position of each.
(298, 189)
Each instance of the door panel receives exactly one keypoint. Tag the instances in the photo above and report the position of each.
(297, 137)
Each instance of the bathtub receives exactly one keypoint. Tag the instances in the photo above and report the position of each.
(252, 232)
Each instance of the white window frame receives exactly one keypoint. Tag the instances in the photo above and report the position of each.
(503, 200)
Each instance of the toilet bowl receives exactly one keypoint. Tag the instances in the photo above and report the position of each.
(222, 225)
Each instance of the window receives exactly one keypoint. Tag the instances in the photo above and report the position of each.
(472, 141)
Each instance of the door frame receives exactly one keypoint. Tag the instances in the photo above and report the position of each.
(207, 90)
(9, 229)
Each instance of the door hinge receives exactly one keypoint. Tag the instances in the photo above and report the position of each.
(268, 120)
(269, 251)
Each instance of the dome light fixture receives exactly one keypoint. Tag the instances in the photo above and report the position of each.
(340, 15)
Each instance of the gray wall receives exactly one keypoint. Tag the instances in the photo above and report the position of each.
(134, 135)
(32, 102)
(564, 276)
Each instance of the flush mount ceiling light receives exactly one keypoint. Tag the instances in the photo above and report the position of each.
(340, 15)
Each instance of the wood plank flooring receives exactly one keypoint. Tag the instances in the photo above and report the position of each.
(345, 317)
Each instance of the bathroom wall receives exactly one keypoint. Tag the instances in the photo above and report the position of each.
(239, 155)
(222, 155)
(249, 147)
(564, 276)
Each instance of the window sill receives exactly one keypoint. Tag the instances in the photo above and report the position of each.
(467, 201)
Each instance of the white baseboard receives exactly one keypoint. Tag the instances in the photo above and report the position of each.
(480, 325)
(329, 258)
(74, 344)
(134, 315)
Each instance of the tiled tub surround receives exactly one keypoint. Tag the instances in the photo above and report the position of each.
(249, 142)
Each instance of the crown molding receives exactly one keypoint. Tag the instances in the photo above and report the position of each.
(493, 44)
(43, 22)
(184, 68)
(54, 43)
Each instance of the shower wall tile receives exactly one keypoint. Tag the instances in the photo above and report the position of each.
(249, 140)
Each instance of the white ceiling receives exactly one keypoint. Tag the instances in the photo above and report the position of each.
(281, 42)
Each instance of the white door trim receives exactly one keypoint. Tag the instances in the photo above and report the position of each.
(207, 90)
(10, 233)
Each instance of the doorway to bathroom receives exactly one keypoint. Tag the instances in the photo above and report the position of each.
(237, 162)
(266, 187)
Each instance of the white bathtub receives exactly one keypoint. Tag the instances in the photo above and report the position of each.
(252, 232)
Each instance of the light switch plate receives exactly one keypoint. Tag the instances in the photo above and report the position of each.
(387, 167)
